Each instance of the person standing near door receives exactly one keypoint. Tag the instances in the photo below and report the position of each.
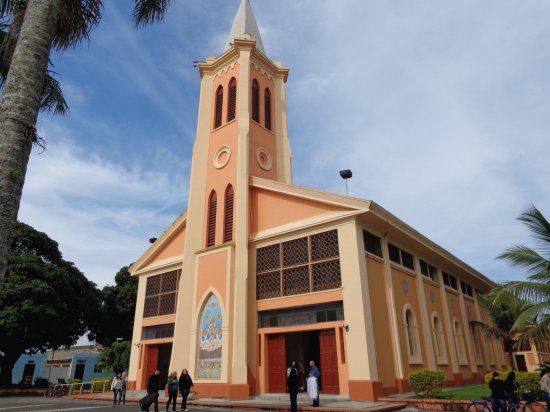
(172, 390)
(185, 384)
(153, 388)
(314, 373)
(292, 383)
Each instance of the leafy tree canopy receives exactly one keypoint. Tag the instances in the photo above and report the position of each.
(46, 302)
(115, 358)
(116, 317)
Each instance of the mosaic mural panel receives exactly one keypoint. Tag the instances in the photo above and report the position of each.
(210, 344)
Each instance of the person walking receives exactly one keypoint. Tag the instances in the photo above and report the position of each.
(124, 378)
(313, 373)
(172, 390)
(292, 384)
(153, 388)
(498, 393)
(116, 387)
(545, 387)
(185, 385)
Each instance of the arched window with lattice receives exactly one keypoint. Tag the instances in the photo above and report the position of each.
(211, 227)
(267, 108)
(228, 215)
(255, 101)
(219, 107)
(232, 99)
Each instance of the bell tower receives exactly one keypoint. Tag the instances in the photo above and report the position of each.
(241, 133)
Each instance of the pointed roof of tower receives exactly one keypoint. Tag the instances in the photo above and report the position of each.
(244, 22)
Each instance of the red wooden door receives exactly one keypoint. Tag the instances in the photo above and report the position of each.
(329, 362)
(152, 362)
(276, 348)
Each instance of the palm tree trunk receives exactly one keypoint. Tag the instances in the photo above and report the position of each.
(19, 111)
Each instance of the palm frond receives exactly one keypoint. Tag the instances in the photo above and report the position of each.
(526, 257)
(538, 225)
(149, 11)
(539, 333)
(529, 317)
(4, 7)
(533, 292)
(53, 99)
(78, 18)
(488, 330)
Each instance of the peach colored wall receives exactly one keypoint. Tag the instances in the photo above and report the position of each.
(433, 303)
(401, 298)
(300, 300)
(173, 247)
(225, 135)
(271, 209)
(455, 312)
(380, 320)
(212, 272)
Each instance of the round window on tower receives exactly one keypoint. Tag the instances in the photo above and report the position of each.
(264, 158)
(221, 157)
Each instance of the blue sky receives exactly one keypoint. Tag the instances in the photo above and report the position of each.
(440, 109)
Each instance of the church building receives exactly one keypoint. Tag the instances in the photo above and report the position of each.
(258, 272)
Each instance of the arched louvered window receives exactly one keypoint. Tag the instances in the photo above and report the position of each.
(232, 100)
(219, 106)
(255, 101)
(267, 109)
(211, 230)
(228, 215)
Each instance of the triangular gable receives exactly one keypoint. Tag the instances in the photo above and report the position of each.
(271, 209)
(169, 246)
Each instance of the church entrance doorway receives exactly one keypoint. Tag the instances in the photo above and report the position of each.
(158, 358)
(302, 347)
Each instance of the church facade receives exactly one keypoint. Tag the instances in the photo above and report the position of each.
(258, 272)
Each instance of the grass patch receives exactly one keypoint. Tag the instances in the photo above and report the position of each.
(467, 393)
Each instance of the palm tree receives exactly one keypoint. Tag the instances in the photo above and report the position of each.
(44, 24)
(503, 309)
(536, 288)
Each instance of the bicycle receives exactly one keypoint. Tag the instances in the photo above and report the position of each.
(54, 389)
(483, 405)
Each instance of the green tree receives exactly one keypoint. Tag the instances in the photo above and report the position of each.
(115, 358)
(503, 309)
(46, 302)
(536, 288)
(118, 305)
(44, 24)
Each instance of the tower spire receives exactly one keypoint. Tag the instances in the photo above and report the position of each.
(244, 22)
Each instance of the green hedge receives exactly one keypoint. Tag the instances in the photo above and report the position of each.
(528, 381)
(427, 383)
(97, 384)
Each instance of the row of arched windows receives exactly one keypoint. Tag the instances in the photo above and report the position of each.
(227, 216)
(413, 339)
(232, 104)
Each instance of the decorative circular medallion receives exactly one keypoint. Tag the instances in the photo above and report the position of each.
(405, 286)
(221, 157)
(432, 296)
(453, 304)
(263, 158)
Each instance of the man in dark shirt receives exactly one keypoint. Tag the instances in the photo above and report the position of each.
(292, 383)
(153, 387)
(498, 393)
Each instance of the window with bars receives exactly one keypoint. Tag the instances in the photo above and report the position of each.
(303, 265)
(466, 289)
(267, 108)
(228, 215)
(219, 106)
(211, 229)
(255, 101)
(161, 294)
(232, 100)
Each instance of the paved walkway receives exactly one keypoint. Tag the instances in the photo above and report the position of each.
(268, 402)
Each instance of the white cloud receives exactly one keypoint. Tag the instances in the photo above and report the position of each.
(101, 213)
